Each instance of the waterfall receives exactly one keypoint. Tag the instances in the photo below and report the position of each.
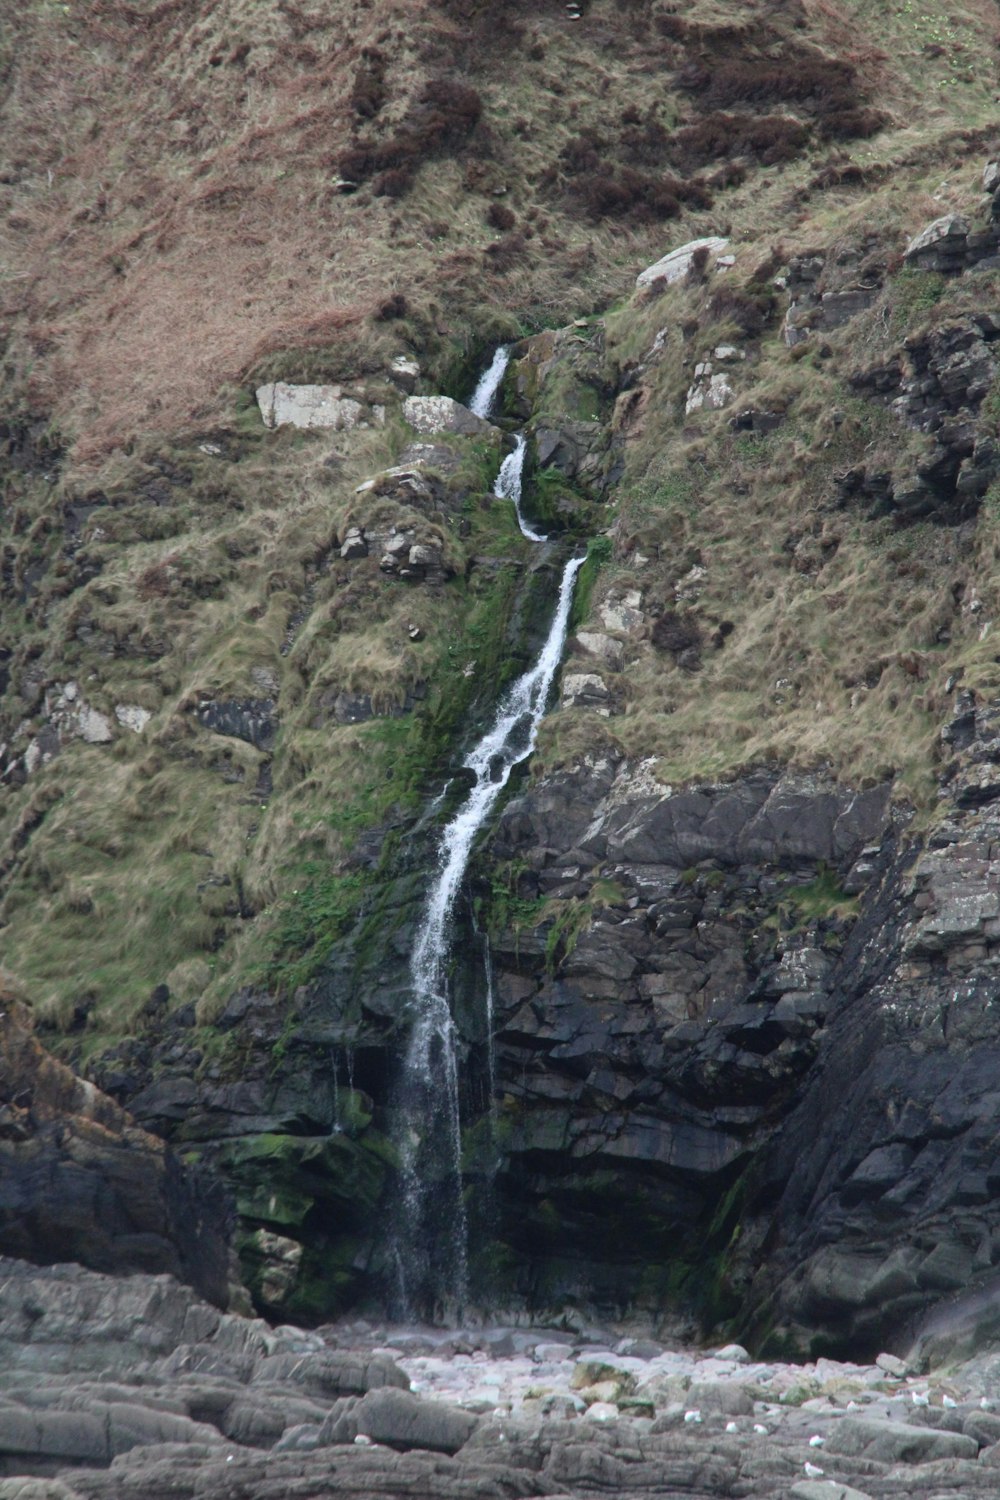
(431, 1238)
(510, 479)
(489, 383)
(509, 482)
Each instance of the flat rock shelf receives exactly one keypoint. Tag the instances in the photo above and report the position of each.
(115, 1387)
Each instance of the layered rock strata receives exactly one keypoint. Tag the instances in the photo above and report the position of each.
(79, 1178)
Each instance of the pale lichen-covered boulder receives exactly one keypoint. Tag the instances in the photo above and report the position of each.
(675, 265)
(314, 406)
(431, 414)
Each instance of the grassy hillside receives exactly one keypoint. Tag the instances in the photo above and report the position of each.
(203, 196)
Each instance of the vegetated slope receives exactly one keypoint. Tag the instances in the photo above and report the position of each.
(204, 197)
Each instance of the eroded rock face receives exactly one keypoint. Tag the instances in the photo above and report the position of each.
(936, 385)
(79, 1180)
(656, 1021)
(250, 719)
(884, 1177)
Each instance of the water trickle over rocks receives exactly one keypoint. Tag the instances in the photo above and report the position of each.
(430, 1252)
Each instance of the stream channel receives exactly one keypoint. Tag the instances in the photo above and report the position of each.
(430, 1241)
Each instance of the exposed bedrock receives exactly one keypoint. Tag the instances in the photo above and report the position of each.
(79, 1179)
(746, 1063)
(663, 986)
(877, 1197)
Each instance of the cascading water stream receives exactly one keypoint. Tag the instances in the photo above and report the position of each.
(430, 1249)
(485, 393)
(431, 1243)
(509, 483)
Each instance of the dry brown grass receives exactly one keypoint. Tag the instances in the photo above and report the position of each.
(174, 215)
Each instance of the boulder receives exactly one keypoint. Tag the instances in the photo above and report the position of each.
(604, 647)
(675, 265)
(400, 1420)
(586, 690)
(354, 545)
(709, 392)
(405, 372)
(132, 716)
(941, 246)
(433, 414)
(897, 1442)
(313, 406)
(825, 1489)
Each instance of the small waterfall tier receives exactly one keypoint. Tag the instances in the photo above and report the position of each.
(509, 483)
(485, 393)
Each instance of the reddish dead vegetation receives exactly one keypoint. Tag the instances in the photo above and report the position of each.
(338, 325)
(768, 139)
(174, 219)
(441, 119)
(602, 188)
(752, 63)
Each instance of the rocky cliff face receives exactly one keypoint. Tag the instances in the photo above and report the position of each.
(878, 1190)
(738, 921)
(80, 1181)
(661, 996)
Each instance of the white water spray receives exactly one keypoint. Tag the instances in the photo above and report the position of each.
(430, 1085)
(489, 383)
(509, 483)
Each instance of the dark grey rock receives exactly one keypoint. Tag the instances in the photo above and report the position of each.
(250, 719)
(897, 1442)
(401, 1420)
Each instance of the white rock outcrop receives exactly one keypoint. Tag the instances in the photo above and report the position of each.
(604, 647)
(131, 716)
(405, 372)
(623, 612)
(314, 406)
(430, 414)
(675, 266)
(708, 392)
(586, 690)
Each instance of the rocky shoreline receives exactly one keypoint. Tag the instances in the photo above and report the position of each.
(114, 1387)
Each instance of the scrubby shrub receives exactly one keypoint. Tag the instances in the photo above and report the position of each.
(839, 174)
(769, 139)
(443, 115)
(368, 92)
(604, 189)
(852, 124)
(393, 183)
(750, 307)
(730, 174)
(582, 153)
(645, 144)
(678, 634)
(504, 253)
(498, 216)
(395, 306)
(820, 83)
(452, 109)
